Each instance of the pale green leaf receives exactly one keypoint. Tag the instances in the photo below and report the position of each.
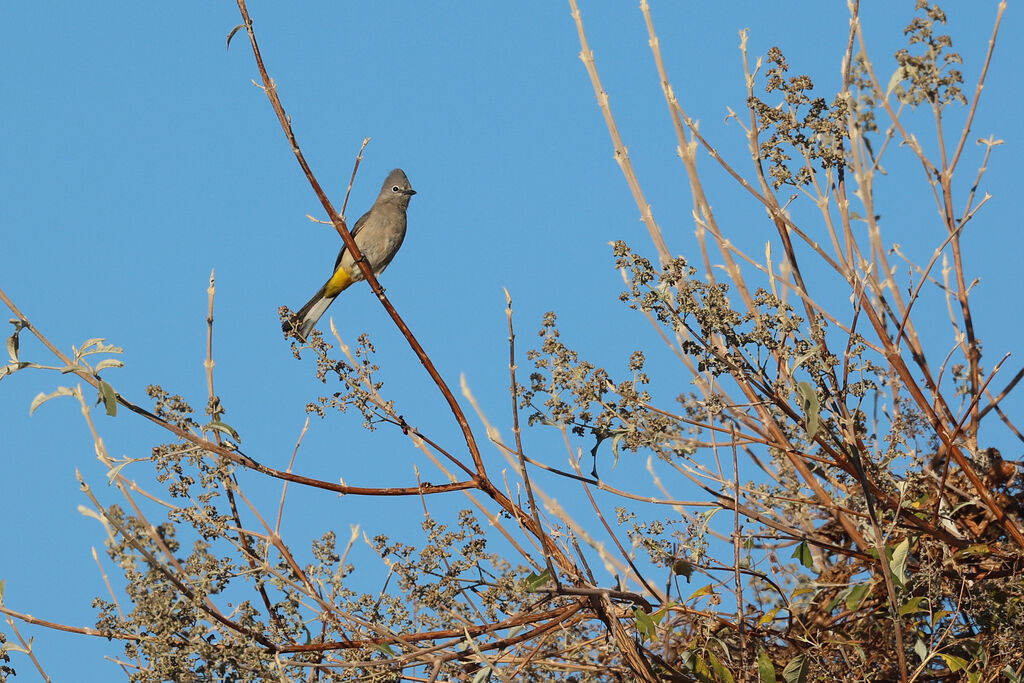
(12, 368)
(43, 398)
(89, 512)
(921, 650)
(796, 670)
(898, 564)
(96, 345)
(705, 519)
(109, 363)
(894, 80)
(116, 469)
(12, 346)
(809, 405)
(616, 438)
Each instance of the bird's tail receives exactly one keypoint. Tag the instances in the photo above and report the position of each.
(301, 324)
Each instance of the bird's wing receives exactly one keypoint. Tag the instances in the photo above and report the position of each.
(355, 231)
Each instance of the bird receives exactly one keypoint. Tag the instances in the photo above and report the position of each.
(378, 233)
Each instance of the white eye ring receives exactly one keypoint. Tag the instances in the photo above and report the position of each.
(395, 188)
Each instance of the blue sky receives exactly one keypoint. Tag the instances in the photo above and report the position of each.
(138, 156)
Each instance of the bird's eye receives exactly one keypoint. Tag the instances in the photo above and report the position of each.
(395, 188)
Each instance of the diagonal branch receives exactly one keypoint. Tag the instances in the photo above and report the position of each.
(270, 88)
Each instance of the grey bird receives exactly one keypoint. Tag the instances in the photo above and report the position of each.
(378, 234)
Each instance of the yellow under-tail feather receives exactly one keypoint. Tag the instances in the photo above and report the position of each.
(338, 283)
(302, 322)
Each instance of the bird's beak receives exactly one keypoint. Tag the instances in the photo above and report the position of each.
(410, 192)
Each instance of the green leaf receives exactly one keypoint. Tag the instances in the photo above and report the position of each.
(721, 673)
(232, 34)
(224, 427)
(796, 670)
(953, 662)
(535, 581)
(976, 550)
(43, 398)
(810, 406)
(802, 590)
(109, 397)
(765, 668)
(802, 358)
(385, 648)
(803, 554)
(706, 590)
(898, 563)
(645, 626)
(1011, 675)
(663, 612)
(855, 595)
(913, 605)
